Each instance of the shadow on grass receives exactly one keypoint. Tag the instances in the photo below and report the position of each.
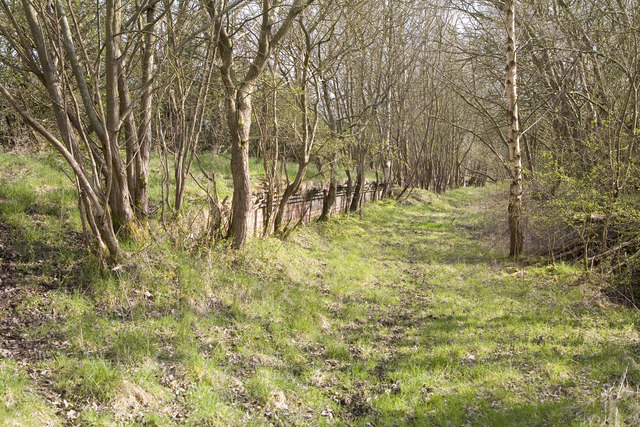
(455, 409)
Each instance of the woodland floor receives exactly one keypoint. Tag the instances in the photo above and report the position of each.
(407, 315)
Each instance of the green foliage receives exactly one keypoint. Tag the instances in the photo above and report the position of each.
(589, 211)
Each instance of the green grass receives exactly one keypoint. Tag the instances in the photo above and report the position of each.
(19, 403)
(408, 315)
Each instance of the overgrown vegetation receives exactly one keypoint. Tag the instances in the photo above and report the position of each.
(409, 314)
(168, 133)
(578, 215)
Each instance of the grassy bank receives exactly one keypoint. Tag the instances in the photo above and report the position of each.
(410, 314)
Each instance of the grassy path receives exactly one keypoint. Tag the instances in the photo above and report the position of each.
(460, 335)
(405, 316)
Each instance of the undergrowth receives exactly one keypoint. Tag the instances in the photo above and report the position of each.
(407, 314)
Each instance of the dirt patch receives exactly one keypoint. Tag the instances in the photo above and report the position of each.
(13, 341)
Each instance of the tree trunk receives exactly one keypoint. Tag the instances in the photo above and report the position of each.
(238, 100)
(239, 121)
(330, 198)
(270, 158)
(513, 138)
(357, 193)
(130, 133)
(386, 172)
(288, 192)
(141, 190)
(117, 185)
(349, 191)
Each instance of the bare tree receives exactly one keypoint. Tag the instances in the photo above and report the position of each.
(85, 81)
(513, 136)
(240, 86)
(185, 90)
(307, 98)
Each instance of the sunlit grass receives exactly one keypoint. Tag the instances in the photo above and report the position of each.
(19, 403)
(410, 314)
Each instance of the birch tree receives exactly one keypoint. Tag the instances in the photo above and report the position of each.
(513, 135)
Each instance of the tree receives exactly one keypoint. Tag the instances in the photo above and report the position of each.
(305, 86)
(513, 136)
(185, 90)
(240, 86)
(85, 80)
(481, 93)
